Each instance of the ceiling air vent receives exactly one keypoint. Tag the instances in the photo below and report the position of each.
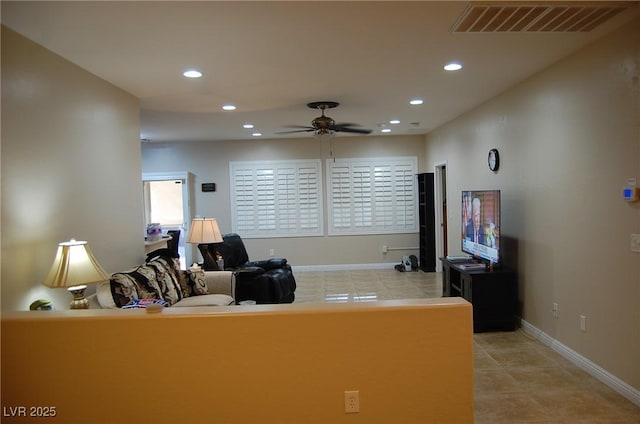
(537, 16)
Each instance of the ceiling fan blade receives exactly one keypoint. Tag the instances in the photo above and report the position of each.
(350, 130)
(297, 126)
(295, 131)
(347, 124)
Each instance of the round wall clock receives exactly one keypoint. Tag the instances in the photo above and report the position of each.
(494, 160)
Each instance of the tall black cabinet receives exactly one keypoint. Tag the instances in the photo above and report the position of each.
(427, 212)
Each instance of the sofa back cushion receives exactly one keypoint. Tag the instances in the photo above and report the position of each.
(157, 279)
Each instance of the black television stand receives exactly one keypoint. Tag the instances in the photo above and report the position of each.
(492, 293)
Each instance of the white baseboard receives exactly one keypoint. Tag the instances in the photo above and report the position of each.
(345, 267)
(624, 389)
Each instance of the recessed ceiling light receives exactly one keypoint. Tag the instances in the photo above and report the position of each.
(394, 121)
(453, 66)
(256, 134)
(385, 130)
(247, 126)
(192, 73)
(416, 101)
(228, 107)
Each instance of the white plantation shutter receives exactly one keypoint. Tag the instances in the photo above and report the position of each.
(372, 195)
(309, 201)
(361, 196)
(383, 196)
(243, 204)
(405, 196)
(276, 198)
(265, 197)
(286, 195)
(340, 197)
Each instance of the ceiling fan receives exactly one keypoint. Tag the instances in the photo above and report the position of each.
(325, 125)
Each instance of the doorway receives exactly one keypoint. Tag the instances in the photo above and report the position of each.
(442, 248)
(167, 202)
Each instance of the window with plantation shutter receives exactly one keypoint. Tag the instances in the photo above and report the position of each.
(372, 195)
(276, 198)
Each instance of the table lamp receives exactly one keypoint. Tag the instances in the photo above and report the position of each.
(205, 231)
(74, 267)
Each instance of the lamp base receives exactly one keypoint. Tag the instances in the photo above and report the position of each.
(78, 302)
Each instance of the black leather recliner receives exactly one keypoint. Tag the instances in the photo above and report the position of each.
(265, 281)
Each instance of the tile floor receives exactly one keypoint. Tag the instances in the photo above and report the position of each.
(365, 285)
(517, 379)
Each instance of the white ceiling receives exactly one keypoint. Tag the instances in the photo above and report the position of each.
(271, 58)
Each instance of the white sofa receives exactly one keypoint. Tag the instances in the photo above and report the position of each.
(221, 287)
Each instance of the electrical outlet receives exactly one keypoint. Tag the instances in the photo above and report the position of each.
(583, 323)
(635, 243)
(555, 310)
(351, 401)
(272, 252)
(385, 248)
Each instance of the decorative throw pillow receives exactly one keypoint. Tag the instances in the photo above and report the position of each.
(195, 283)
(127, 287)
(166, 273)
(157, 279)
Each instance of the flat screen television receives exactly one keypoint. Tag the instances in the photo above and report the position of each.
(481, 224)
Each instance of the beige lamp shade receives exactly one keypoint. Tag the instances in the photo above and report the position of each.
(204, 231)
(74, 265)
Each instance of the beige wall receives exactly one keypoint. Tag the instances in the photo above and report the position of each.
(209, 162)
(411, 361)
(70, 168)
(569, 138)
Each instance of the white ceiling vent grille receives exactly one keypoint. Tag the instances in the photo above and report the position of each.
(537, 16)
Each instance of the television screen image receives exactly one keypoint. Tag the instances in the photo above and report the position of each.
(481, 224)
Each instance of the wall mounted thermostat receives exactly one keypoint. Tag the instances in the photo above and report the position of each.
(631, 194)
